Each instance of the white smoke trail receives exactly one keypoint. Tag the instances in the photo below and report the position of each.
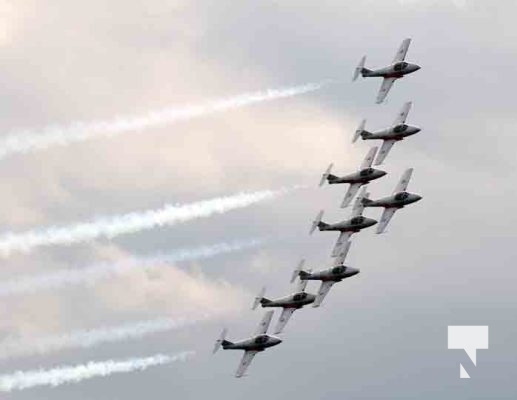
(26, 141)
(20, 380)
(29, 346)
(93, 273)
(130, 223)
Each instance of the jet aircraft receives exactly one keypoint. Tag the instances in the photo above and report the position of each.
(396, 132)
(328, 278)
(289, 304)
(346, 228)
(365, 175)
(257, 343)
(399, 199)
(391, 73)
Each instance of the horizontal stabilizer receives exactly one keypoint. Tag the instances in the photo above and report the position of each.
(359, 130)
(316, 222)
(222, 338)
(258, 298)
(298, 269)
(359, 68)
(326, 174)
(302, 284)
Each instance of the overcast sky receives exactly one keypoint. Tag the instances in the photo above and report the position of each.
(448, 260)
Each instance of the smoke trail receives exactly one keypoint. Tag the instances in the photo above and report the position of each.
(11, 348)
(130, 223)
(91, 274)
(20, 380)
(26, 141)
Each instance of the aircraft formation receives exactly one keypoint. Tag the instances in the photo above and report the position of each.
(357, 182)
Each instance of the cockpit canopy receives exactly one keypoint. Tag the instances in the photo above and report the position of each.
(261, 339)
(338, 270)
(357, 220)
(401, 196)
(299, 296)
(400, 128)
(366, 172)
(400, 66)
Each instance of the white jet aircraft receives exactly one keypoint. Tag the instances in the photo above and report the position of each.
(346, 228)
(365, 175)
(395, 133)
(289, 304)
(328, 278)
(396, 201)
(395, 71)
(259, 342)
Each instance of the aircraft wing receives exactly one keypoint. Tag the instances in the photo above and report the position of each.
(246, 360)
(386, 85)
(402, 115)
(385, 219)
(368, 160)
(264, 324)
(385, 149)
(340, 243)
(350, 193)
(404, 181)
(284, 318)
(340, 259)
(324, 289)
(400, 55)
(358, 207)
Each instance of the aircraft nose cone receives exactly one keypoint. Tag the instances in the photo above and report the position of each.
(417, 129)
(417, 67)
(353, 271)
(417, 197)
(370, 221)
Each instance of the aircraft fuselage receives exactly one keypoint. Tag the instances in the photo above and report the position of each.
(364, 176)
(256, 343)
(398, 200)
(396, 132)
(296, 300)
(335, 274)
(351, 225)
(395, 70)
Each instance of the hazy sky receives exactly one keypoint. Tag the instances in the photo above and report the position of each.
(448, 260)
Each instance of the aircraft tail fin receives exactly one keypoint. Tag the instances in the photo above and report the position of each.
(360, 69)
(302, 283)
(326, 174)
(359, 131)
(298, 271)
(304, 275)
(317, 222)
(221, 341)
(259, 298)
(365, 199)
(264, 301)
